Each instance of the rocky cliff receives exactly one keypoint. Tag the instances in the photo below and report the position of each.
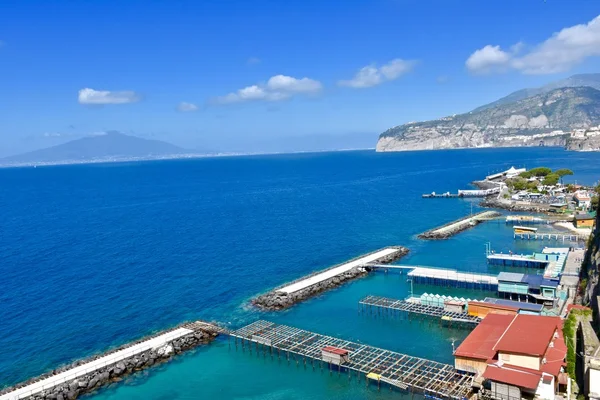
(590, 274)
(540, 120)
(586, 143)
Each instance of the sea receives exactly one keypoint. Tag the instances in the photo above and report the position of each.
(94, 256)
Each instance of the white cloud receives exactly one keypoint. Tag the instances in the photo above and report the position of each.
(282, 83)
(277, 88)
(559, 53)
(187, 107)
(488, 59)
(253, 61)
(371, 75)
(91, 96)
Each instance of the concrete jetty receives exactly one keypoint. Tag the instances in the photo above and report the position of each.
(400, 371)
(85, 376)
(454, 227)
(289, 294)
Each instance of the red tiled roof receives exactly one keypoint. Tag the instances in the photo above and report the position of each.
(528, 334)
(335, 350)
(555, 354)
(480, 343)
(516, 376)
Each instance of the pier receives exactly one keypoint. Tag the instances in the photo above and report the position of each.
(406, 307)
(289, 294)
(454, 227)
(453, 278)
(550, 236)
(401, 371)
(515, 260)
(463, 193)
(84, 377)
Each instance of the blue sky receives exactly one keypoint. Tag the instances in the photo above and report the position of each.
(223, 74)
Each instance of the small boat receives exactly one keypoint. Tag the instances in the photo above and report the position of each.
(524, 229)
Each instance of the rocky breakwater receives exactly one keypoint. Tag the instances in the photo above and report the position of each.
(278, 299)
(512, 205)
(84, 383)
(454, 227)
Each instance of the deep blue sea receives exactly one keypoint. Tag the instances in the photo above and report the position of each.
(93, 256)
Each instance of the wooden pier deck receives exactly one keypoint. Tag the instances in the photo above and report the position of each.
(404, 306)
(408, 373)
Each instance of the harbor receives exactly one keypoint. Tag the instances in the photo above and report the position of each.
(406, 373)
(452, 228)
(383, 347)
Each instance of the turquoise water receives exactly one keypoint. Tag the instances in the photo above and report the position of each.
(97, 255)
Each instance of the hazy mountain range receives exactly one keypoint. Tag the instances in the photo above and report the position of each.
(116, 146)
(528, 117)
(110, 146)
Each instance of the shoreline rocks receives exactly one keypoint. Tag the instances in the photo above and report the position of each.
(275, 300)
(115, 372)
(513, 206)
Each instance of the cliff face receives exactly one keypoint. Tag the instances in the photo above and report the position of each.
(591, 270)
(540, 120)
(587, 143)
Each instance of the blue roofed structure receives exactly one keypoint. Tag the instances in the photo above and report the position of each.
(527, 287)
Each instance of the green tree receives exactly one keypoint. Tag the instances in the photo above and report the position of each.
(526, 174)
(563, 172)
(517, 183)
(595, 202)
(551, 179)
(540, 171)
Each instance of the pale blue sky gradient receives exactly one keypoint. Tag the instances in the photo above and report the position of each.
(197, 52)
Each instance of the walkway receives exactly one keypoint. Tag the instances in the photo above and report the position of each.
(91, 366)
(451, 277)
(330, 273)
(418, 308)
(399, 370)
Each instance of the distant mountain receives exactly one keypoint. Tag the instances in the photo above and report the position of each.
(590, 80)
(106, 147)
(542, 119)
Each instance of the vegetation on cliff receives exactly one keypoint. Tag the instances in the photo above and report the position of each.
(542, 119)
(543, 175)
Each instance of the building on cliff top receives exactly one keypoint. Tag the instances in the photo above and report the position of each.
(509, 173)
(516, 355)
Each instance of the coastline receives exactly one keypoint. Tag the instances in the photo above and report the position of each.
(184, 156)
